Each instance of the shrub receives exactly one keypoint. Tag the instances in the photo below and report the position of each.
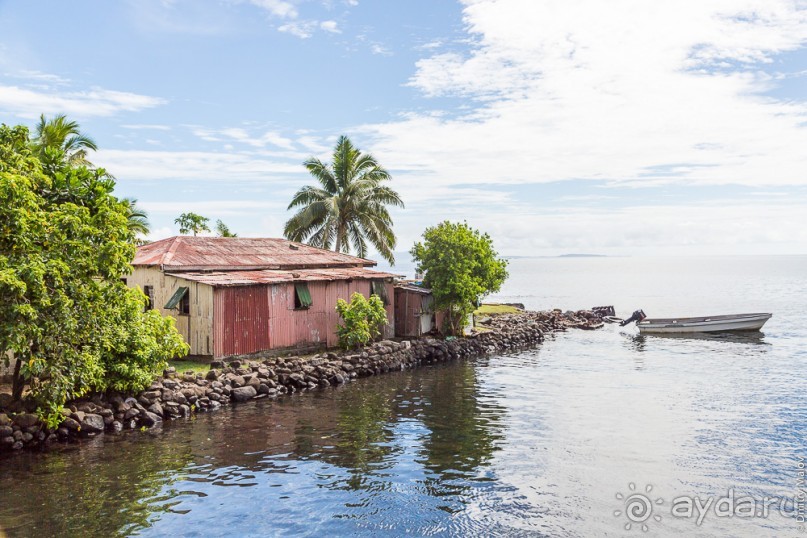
(363, 320)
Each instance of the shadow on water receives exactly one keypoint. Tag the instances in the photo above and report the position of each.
(357, 436)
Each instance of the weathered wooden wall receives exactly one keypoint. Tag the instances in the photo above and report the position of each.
(197, 327)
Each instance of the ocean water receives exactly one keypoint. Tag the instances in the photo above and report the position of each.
(582, 436)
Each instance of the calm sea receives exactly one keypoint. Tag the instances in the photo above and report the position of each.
(588, 433)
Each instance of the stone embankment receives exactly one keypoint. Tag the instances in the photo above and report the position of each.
(240, 379)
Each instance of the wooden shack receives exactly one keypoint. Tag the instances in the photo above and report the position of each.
(234, 296)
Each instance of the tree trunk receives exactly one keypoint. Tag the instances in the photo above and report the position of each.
(17, 383)
(338, 246)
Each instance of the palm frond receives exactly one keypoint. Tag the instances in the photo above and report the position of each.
(349, 208)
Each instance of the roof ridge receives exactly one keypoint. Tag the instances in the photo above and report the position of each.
(169, 255)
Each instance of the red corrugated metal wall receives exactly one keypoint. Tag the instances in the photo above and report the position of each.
(255, 318)
(241, 320)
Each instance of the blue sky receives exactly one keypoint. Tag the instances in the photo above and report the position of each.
(557, 126)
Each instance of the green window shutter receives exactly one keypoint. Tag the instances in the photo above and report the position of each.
(303, 295)
(176, 297)
(377, 287)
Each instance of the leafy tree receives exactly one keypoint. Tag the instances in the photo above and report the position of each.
(60, 140)
(348, 208)
(223, 230)
(191, 222)
(461, 267)
(137, 219)
(70, 322)
(363, 319)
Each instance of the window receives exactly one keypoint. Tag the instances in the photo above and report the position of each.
(149, 292)
(302, 297)
(377, 287)
(185, 304)
(180, 299)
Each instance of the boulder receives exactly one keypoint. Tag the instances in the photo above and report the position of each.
(242, 394)
(92, 423)
(70, 424)
(149, 419)
(156, 408)
(25, 420)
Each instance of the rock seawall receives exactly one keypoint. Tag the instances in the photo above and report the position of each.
(240, 379)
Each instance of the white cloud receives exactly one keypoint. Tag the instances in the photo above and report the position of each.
(40, 76)
(277, 8)
(301, 29)
(377, 48)
(28, 103)
(239, 134)
(146, 126)
(614, 91)
(218, 207)
(330, 26)
(133, 165)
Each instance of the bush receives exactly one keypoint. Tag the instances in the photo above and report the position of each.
(363, 320)
(461, 267)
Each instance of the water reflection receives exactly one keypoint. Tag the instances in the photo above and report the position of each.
(428, 430)
(745, 337)
(100, 490)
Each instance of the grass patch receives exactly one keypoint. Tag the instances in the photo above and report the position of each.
(495, 309)
(185, 366)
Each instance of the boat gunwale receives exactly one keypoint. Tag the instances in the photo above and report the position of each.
(704, 319)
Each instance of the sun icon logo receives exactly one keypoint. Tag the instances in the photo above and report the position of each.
(638, 507)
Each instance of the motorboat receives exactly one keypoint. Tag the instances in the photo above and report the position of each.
(705, 324)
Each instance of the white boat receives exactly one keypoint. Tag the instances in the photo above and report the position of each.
(707, 324)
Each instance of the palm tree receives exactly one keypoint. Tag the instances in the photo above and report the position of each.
(223, 230)
(61, 141)
(138, 219)
(348, 207)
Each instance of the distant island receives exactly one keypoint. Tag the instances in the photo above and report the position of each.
(582, 256)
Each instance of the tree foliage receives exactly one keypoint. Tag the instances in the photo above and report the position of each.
(70, 322)
(363, 320)
(138, 220)
(349, 206)
(59, 141)
(192, 223)
(222, 230)
(460, 267)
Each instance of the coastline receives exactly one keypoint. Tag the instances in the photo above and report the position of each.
(240, 379)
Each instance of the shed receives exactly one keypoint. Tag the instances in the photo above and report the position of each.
(414, 314)
(244, 295)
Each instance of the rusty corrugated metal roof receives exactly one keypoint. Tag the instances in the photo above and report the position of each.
(187, 253)
(268, 276)
(408, 286)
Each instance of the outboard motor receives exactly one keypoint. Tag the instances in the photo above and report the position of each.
(636, 316)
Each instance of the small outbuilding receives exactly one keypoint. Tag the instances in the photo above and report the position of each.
(414, 315)
(233, 296)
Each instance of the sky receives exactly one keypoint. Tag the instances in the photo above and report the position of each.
(570, 126)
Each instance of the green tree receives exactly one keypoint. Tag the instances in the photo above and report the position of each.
(460, 267)
(61, 140)
(191, 222)
(349, 206)
(223, 230)
(137, 219)
(363, 319)
(70, 323)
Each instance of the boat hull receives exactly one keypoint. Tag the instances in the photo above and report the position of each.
(707, 324)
